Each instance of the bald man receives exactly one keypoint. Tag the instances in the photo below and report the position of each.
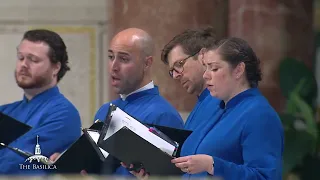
(130, 59)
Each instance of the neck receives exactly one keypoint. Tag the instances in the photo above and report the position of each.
(142, 84)
(237, 91)
(31, 93)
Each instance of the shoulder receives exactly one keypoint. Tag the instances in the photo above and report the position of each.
(9, 105)
(259, 114)
(60, 109)
(164, 113)
(161, 105)
(61, 103)
(102, 112)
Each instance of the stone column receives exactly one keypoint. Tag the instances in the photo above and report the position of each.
(275, 29)
(163, 19)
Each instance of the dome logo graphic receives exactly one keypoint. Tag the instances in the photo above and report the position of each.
(37, 155)
(39, 161)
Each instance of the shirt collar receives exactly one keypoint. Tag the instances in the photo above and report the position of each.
(146, 87)
(203, 94)
(43, 95)
(240, 97)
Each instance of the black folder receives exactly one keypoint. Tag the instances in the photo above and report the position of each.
(11, 129)
(177, 135)
(130, 148)
(84, 154)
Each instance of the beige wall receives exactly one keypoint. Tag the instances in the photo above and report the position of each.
(83, 25)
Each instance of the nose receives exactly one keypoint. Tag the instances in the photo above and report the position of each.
(23, 63)
(206, 75)
(114, 65)
(176, 75)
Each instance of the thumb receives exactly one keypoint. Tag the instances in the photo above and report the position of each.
(83, 172)
(54, 156)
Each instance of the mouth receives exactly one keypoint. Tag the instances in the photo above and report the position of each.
(209, 85)
(24, 74)
(115, 80)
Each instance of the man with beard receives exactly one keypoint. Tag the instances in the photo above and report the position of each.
(181, 54)
(42, 61)
(130, 59)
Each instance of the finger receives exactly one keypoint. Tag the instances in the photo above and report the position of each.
(146, 176)
(123, 165)
(181, 165)
(180, 159)
(141, 173)
(83, 172)
(54, 156)
(133, 173)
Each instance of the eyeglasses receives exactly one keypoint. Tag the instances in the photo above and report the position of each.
(178, 65)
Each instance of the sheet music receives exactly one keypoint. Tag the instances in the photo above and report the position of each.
(120, 119)
(95, 136)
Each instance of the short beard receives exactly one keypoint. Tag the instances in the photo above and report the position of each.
(132, 86)
(36, 82)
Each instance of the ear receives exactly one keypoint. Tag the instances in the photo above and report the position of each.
(240, 70)
(201, 55)
(148, 62)
(56, 69)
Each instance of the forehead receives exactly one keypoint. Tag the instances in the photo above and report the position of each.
(36, 48)
(123, 46)
(176, 54)
(211, 56)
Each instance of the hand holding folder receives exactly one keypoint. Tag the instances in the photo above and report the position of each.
(84, 154)
(149, 146)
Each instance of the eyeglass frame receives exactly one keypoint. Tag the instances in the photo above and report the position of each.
(182, 63)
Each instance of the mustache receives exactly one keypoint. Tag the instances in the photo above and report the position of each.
(24, 72)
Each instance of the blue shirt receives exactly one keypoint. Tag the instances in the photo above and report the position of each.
(52, 117)
(205, 108)
(245, 139)
(148, 107)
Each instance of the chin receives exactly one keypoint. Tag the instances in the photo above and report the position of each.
(26, 85)
(214, 94)
(116, 90)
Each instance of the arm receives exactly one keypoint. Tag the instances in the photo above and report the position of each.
(262, 145)
(169, 119)
(58, 129)
(102, 113)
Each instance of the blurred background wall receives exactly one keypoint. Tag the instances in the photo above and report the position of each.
(285, 34)
(274, 28)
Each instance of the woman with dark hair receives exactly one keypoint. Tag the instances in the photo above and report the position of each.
(245, 139)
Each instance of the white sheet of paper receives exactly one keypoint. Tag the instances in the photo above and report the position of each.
(120, 119)
(95, 136)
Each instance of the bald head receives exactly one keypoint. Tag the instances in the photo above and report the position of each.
(131, 56)
(136, 38)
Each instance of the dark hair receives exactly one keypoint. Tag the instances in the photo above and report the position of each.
(234, 51)
(191, 41)
(57, 48)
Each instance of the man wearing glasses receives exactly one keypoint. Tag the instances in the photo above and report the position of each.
(182, 54)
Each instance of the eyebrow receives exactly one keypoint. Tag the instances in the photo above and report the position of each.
(121, 53)
(212, 63)
(30, 54)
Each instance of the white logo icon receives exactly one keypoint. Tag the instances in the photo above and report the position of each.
(37, 154)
